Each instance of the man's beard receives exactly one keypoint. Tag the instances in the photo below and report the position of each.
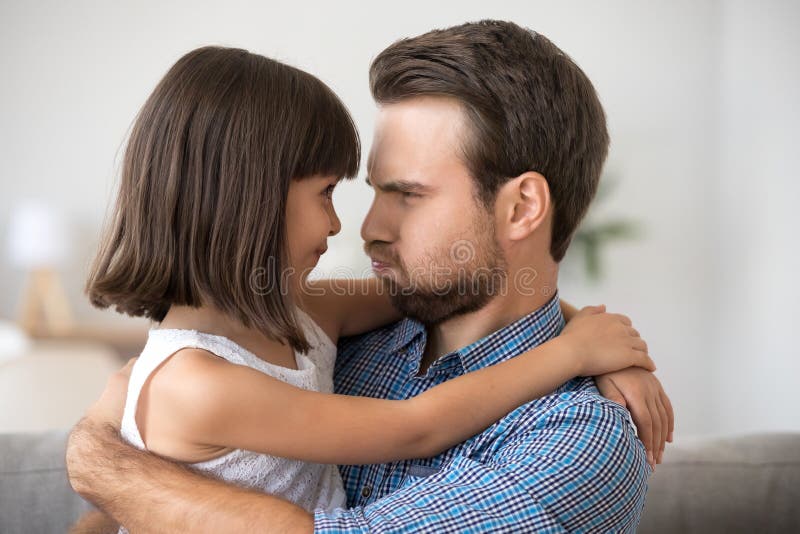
(454, 280)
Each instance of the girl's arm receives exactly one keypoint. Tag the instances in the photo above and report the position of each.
(346, 307)
(205, 401)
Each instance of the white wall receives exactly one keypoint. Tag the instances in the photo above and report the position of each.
(705, 171)
(757, 249)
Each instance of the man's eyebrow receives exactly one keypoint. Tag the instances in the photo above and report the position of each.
(401, 186)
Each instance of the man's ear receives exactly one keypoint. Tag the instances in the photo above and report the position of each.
(526, 204)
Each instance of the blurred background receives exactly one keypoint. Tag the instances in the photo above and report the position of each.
(694, 235)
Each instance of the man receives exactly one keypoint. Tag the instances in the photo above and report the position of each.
(487, 152)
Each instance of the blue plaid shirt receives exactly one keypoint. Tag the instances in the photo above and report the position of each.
(569, 461)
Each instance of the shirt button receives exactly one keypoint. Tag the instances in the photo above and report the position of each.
(366, 491)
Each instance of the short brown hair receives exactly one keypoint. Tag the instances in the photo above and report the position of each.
(205, 177)
(530, 108)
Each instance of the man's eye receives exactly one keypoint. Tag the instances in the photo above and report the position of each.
(409, 194)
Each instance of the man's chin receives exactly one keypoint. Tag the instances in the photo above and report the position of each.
(430, 309)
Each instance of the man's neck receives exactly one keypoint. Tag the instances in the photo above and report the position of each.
(463, 330)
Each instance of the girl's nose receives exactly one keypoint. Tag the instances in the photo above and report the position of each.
(336, 224)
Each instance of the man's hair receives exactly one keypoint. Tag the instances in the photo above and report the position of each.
(202, 201)
(529, 108)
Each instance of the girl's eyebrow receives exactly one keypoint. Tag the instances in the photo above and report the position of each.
(400, 186)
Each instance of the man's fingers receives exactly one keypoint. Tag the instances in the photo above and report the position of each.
(619, 399)
(656, 422)
(126, 369)
(644, 425)
(670, 413)
(610, 391)
(662, 411)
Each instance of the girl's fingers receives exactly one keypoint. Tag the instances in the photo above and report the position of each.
(593, 309)
(639, 344)
(662, 411)
(624, 319)
(643, 360)
(633, 332)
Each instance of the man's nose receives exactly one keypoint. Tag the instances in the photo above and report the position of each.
(375, 227)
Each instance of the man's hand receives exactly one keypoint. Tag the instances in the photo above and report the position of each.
(642, 394)
(148, 493)
(102, 421)
(94, 522)
(109, 407)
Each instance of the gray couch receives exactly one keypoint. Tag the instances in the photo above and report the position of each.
(743, 484)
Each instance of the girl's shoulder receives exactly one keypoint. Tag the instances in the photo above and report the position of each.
(178, 405)
(189, 380)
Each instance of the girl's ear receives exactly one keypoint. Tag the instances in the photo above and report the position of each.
(523, 204)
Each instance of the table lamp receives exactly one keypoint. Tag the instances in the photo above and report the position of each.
(38, 244)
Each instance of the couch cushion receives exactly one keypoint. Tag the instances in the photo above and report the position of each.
(735, 484)
(35, 495)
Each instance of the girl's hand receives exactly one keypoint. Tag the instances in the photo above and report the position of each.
(642, 394)
(605, 342)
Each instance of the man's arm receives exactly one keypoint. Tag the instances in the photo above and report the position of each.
(94, 522)
(149, 494)
(579, 469)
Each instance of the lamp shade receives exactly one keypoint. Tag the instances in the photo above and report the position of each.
(38, 237)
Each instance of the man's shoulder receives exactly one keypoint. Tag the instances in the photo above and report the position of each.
(575, 412)
(578, 442)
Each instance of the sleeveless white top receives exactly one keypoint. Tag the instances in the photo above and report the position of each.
(306, 484)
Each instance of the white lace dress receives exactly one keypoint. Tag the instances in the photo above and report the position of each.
(306, 484)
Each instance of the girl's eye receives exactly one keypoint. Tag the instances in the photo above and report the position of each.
(329, 191)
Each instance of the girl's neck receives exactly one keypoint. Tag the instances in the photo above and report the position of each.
(210, 320)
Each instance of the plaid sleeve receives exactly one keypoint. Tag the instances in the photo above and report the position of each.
(580, 468)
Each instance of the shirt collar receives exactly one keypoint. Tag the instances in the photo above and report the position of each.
(407, 330)
(522, 335)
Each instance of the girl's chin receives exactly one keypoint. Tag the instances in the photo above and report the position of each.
(305, 268)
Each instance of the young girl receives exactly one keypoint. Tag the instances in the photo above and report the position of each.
(224, 207)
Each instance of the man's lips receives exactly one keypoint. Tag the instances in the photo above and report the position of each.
(379, 264)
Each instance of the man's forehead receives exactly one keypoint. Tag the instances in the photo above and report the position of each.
(420, 172)
(424, 166)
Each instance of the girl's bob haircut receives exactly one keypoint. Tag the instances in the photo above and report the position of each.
(200, 215)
